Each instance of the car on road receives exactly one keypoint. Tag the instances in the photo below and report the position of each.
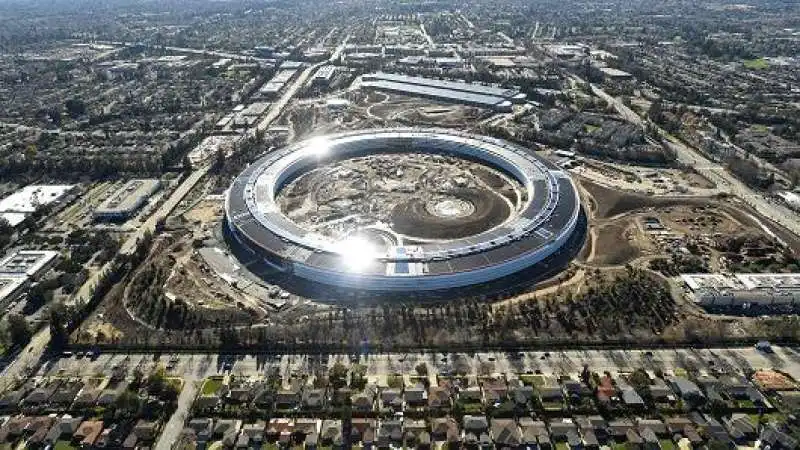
(764, 347)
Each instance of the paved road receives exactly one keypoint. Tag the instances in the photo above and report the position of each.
(193, 368)
(174, 426)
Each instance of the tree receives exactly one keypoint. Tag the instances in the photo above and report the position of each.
(19, 332)
(128, 403)
(422, 369)
(75, 107)
(58, 330)
(338, 376)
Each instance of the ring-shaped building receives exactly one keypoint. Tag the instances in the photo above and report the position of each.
(538, 230)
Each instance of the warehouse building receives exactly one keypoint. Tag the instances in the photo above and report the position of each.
(19, 269)
(127, 200)
(491, 97)
(11, 288)
(762, 289)
(323, 76)
(29, 263)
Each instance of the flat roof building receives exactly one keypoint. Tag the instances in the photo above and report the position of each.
(17, 206)
(743, 289)
(324, 75)
(29, 263)
(127, 200)
(510, 94)
(11, 287)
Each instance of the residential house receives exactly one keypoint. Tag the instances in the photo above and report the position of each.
(594, 425)
(534, 432)
(445, 429)
(280, 428)
(363, 430)
(415, 433)
(606, 390)
(471, 394)
(14, 427)
(439, 398)
(41, 395)
(65, 427)
(207, 402)
(660, 392)
(87, 397)
(226, 430)
(495, 391)
(633, 439)
(735, 386)
(145, 431)
(714, 430)
(105, 439)
(253, 433)
(287, 399)
(776, 439)
(741, 428)
(687, 390)
(364, 401)
(563, 429)
(551, 392)
(331, 433)
(263, 396)
(649, 438)
(476, 429)
(618, 428)
(11, 400)
(203, 428)
(677, 424)
(307, 431)
(110, 395)
(88, 432)
(506, 433)
(392, 398)
(65, 394)
(522, 396)
(390, 432)
(416, 396)
(314, 399)
(657, 426)
(38, 428)
(630, 397)
(240, 392)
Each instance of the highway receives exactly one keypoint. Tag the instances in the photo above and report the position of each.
(725, 180)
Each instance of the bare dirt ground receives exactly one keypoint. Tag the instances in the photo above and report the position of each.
(423, 112)
(616, 243)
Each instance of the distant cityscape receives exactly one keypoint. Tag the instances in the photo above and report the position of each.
(400, 224)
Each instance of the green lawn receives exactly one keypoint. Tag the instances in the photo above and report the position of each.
(590, 128)
(667, 444)
(269, 446)
(617, 446)
(211, 386)
(757, 64)
(64, 445)
(562, 446)
(532, 380)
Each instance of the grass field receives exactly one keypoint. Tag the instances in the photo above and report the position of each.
(64, 445)
(211, 386)
(758, 63)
